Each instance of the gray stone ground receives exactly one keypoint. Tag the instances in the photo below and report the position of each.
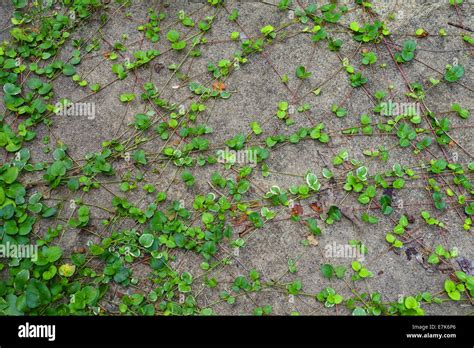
(257, 90)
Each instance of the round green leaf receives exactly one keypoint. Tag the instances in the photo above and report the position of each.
(11, 89)
(146, 240)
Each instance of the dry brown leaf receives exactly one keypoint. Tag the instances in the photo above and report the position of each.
(218, 86)
(297, 210)
(316, 207)
(312, 240)
(239, 220)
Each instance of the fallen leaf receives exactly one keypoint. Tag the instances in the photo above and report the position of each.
(158, 67)
(218, 86)
(239, 220)
(316, 207)
(297, 210)
(312, 240)
(424, 34)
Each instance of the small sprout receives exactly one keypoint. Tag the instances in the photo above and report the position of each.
(455, 2)
(234, 15)
(95, 87)
(188, 178)
(174, 37)
(453, 290)
(420, 32)
(360, 271)
(354, 26)
(338, 111)
(334, 45)
(329, 297)
(358, 80)
(256, 128)
(430, 220)
(467, 224)
(127, 97)
(408, 52)
(301, 72)
(463, 113)
(369, 58)
(468, 39)
(284, 4)
(434, 81)
(268, 31)
(453, 73)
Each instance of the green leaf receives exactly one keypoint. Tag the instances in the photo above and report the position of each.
(340, 271)
(50, 273)
(2, 196)
(146, 240)
(21, 279)
(96, 250)
(52, 254)
(356, 266)
(411, 302)
(10, 175)
(9, 64)
(19, 4)
(179, 45)
(327, 270)
(45, 88)
(358, 311)
(69, 70)
(433, 259)
(140, 157)
(301, 72)
(188, 178)
(354, 26)
(398, 183)
(95, 87)
(256, 128)
(449, 286)
(11, 89)
(369, 58)
(313, 226)
(127, 97)
(67, 270)
(364, 273)
(390, 238)
(58, 168)
(172, 36)
(37, 294)
(454, 295)
(454, 73)
(312, 181)
(34, 83)
(10, 227)
(207, 218)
